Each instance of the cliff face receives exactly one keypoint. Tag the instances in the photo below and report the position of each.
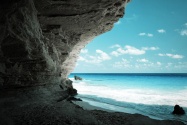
(40, 40)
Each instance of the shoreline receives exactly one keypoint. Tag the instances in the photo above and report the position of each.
(137, 119)
(40, 106)
(134, 108)
(87, 106)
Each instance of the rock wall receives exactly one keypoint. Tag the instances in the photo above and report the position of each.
(40, 40)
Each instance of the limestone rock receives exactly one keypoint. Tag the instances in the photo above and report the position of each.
(66, 85)
(40, 39)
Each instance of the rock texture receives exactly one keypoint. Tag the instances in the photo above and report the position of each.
(40, 40)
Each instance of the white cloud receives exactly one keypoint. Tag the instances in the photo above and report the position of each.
(161, 31)
(174, 56)
(150, 35)
(145, 34)
(117, 23)
(134, 51)
(122, 64)
(142, 60)
(169, 55)
(160, 54)
(183, 32)
(177, 56)
(142, 34)
(84, 51)
(115, 53)
(150, 48)
(115, 46)
(130, 50)
(98, 58)
(102, 55)
(121, 51)
(127, 50)
(159, 63)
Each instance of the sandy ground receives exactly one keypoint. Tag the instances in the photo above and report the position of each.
(87, 106)
(46, 105)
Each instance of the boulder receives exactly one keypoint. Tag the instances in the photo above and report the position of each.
(66, 84)
(72, 91)
(69, 83)
(178, 110)
(77, 78)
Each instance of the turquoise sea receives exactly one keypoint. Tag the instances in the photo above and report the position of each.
(153, 95)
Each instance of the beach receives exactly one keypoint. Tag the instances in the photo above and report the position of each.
(152, 95)
(47, 105)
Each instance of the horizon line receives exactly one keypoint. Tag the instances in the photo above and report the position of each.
(131, 73)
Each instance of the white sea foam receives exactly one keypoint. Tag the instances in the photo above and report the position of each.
(134, 95)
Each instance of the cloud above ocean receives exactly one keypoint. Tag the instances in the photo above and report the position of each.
(146, 34)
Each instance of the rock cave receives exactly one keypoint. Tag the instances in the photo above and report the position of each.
(40, 41)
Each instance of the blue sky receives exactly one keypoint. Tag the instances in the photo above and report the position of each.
(150, 38)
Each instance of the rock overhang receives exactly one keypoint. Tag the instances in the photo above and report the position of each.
(41, 38)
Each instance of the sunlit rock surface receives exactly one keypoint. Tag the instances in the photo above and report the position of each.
(40, 40)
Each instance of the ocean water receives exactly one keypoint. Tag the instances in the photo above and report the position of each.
(153, 95)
